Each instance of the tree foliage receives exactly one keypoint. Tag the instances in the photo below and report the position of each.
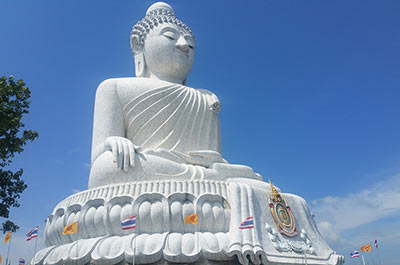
(14, 103)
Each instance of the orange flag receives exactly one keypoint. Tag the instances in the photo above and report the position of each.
(71, 228)
(7, 238)
(192, 219)
(366, 248)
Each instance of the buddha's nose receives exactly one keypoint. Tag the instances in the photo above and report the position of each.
(182, 44)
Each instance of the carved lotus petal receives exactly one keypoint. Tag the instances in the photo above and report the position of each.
(209, 242)
(111, 249)
(41, 255)
(174, 244)
(153, 244)
(189, 245)
(58, 254)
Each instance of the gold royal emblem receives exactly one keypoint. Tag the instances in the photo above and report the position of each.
(281, 212)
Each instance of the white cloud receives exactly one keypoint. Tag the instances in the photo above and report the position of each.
(351, 221)
(343, 213)
(327, 230)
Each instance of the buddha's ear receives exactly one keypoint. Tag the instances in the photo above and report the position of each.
(137, 50)
(140, 65)
(136, 46)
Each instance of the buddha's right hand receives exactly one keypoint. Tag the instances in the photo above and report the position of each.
(123, 151)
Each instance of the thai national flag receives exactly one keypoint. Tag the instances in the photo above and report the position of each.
(355, 254)
(247, 224)
(376, 243)
(129, 223)
(32, 234)
(21, 261)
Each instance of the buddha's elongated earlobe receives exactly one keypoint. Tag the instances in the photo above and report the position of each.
(140, 65)
(140, 62)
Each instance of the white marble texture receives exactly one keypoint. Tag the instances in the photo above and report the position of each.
(156, 154)
(162, 235)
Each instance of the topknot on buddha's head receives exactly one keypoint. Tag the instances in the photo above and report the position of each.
(160, 7)
(158, 13)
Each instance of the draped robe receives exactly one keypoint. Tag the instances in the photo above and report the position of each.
(175, 128)
(173, 117)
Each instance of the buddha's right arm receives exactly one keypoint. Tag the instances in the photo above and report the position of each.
(108, 117)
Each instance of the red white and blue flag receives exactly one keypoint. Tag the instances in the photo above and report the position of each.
(376, 243)
(129, 223)
(21, 261)
(32, 234)
(355, 254)
(247, 224)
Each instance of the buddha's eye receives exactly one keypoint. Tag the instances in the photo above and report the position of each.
(169, 35)
(189, 41)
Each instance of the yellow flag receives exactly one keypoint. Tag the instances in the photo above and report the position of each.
(366, 248)
(192, 219)
(7, 238)
(71, 228)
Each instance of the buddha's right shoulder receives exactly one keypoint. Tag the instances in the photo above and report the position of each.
(122, 84)
(116, 83)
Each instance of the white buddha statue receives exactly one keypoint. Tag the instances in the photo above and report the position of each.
(153, 126)
(156, 158)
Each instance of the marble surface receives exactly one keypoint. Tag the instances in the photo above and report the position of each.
(156, 155)
(162, 235)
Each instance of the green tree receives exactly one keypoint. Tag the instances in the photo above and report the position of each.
(14, 103)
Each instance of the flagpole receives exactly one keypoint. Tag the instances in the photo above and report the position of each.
(197, 238)
(77, 240)
(77, 249)
(34, 250)
(134, 248)
(8, 251)
(305, 257)
(379, 258)
(363, 259)
(135, 243)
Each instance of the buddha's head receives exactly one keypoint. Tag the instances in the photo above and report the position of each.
(162, 45)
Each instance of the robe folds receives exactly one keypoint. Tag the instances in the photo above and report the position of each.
(173, 117)
(175, 127)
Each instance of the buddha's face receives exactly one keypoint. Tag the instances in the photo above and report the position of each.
(169, 52)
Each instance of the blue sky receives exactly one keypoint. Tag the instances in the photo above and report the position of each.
(309, 92)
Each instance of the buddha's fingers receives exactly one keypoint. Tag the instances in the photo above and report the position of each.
(114, 149)
(120, 153)
(131, 154)
(126, 155)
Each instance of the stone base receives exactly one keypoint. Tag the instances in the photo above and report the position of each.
(162, 237)
(199, 262)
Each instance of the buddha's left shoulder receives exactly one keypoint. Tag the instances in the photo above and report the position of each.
(215, 104)
(205, 91)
